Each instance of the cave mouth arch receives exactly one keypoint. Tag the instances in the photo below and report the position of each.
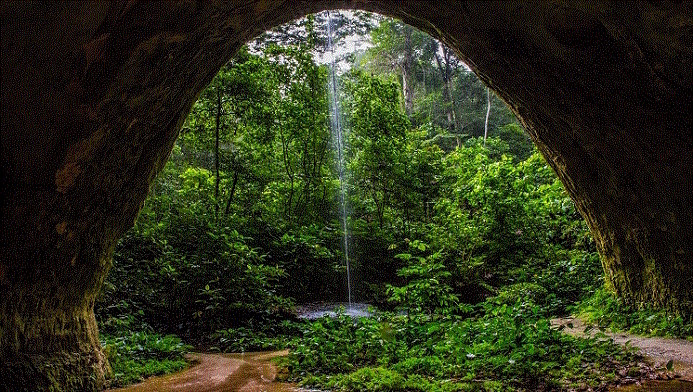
(94, 94)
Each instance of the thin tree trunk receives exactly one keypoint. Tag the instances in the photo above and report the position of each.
(423, 77)
(216, 154)
(488, 111)
(425, 91)
(428, 215)
(289, 172)
(445, 71)
(448, 82)
(233, 190)
(406, 73)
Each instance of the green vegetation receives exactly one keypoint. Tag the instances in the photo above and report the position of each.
(494, 348)
(467, 246)
(134, 355)
(606, 310)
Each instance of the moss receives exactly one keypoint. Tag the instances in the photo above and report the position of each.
(63, 371)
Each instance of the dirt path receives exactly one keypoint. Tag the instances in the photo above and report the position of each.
(658, 350)
(249, 372)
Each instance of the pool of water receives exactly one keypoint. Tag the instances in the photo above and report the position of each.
(315, 311)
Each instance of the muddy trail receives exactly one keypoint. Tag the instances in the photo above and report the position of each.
(248, 372)
(657, 351)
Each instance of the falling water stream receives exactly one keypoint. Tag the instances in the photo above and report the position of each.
(337, 129)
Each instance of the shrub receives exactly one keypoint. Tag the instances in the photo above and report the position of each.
(136, 355)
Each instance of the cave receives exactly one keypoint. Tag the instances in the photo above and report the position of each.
(94, 95)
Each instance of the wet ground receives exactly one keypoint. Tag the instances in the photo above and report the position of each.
(657, 386)
(248, 372)
(254, 372)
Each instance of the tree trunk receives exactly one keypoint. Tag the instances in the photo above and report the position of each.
(445, 71)
(488, 111)
(216, 153)
(231, 193)
(288, 202)
(407, 71)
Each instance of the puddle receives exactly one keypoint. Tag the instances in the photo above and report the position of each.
(247, 372)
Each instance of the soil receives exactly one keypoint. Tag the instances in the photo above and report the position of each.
(248, 372)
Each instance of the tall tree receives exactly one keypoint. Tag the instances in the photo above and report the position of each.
(447, 65)
(393, 51)
(376, 141)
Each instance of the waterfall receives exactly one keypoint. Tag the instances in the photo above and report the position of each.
(337, 130)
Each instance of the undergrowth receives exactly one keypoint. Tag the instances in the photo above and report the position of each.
(494, 348)
(606, 310)
(271, 335)
(133, 356)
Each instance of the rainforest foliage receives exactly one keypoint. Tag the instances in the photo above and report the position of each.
(467, 246)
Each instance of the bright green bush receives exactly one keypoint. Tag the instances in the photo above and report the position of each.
(526, 291)
(183, 273)
(134, 356)
(266, 336)
(387, 380)
(428, 284)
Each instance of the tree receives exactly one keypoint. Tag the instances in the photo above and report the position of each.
(237, 106)
(393, 51)
(376, 139)
(302, 126)
(447, 65)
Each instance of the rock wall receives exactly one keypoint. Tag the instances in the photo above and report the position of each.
(94, 94)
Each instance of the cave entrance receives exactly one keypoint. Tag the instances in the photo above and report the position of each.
(94, 96)
(252, 189)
